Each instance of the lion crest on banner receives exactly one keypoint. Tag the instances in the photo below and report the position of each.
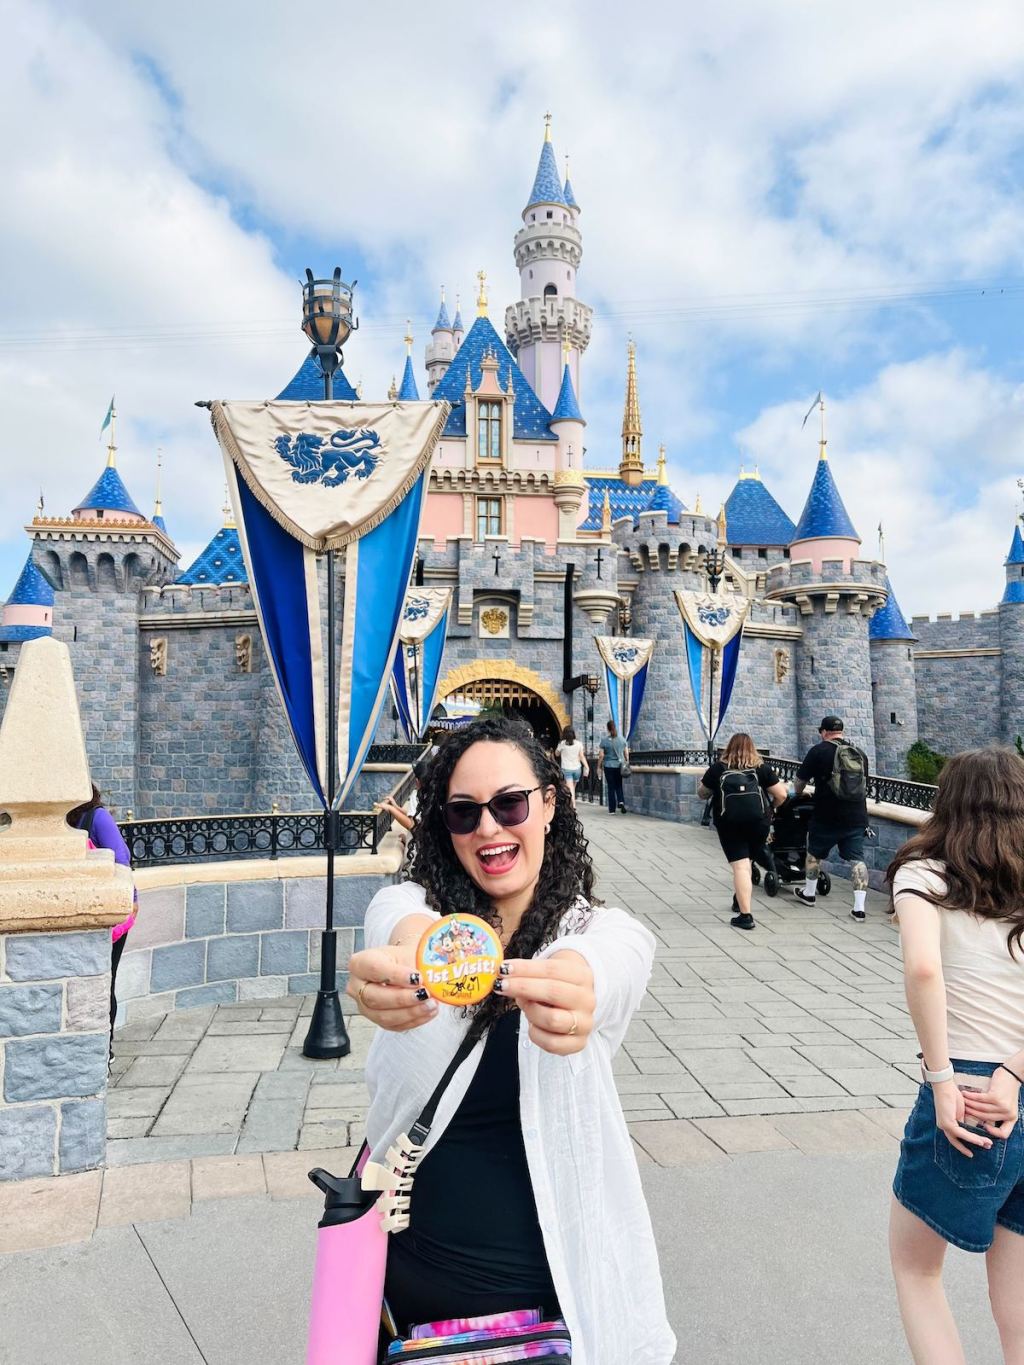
(713, 620)
(345, 454)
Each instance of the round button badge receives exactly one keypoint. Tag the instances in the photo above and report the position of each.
(458, 959)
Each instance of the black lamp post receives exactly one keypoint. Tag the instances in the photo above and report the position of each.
(327, 321)
(592, 684)
(714, 567)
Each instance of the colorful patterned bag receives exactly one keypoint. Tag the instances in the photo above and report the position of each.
(519, 1338)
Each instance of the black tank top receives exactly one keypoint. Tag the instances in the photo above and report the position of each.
(473, 1215)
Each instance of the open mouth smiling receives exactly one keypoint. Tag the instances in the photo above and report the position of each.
(497, 858)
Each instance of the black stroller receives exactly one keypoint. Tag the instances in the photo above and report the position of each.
(784, 856)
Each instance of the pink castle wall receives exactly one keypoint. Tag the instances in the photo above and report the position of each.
(24, 614)
(536, 517)
(442, 516)
(832, 547)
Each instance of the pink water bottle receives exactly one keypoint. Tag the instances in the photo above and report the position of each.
(348, 1280)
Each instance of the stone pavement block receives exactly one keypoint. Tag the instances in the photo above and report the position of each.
(227, 1177)
(675, 1142)
(699, 1105)
(836, 1134)
(283, 1085)
(49, 1212)
(128, 1128)
(832, 1056)
(814, 1084)
(144, 1194)
(763, 1089)
(154, 1071)
(191, 1024)
(873, 1081)
(271, 1126)
(635, 1083)
(126, 1052)
(317, 1135)
(735, 1135)
(338, 1096)
(140, 1151)
(721, 1065)
(137, 1102)
(785, 1105)
(894, 1050)
(206, 1104)
(782, 1062)
(894, 1121)
(287, 1173)
(136, 1033)
(246, 1054)
(238, 1028)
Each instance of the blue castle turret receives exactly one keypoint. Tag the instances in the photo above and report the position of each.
(893, 685)
(1011, 642)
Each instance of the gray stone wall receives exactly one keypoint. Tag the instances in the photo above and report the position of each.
(958, 702)
(969, 631)
(894, 696)
(217, 942)
(54, 1021)
(1011, 700)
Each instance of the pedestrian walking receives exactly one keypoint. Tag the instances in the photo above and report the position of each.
(839, 772)
(958, 896)
(612, 759)
(528, 1166)
(102, 832)
(572, 759)
(742, 790)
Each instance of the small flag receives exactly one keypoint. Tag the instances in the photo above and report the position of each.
(108, 419)
(815, 404)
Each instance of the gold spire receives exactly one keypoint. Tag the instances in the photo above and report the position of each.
(40, 504)
(393, 390)
(823, 442)
(631, 470)
(606, 514)
(481, 298)
(547, 127)
(720, 521)
(408, 336)
(662, 472)
(698, 510)
(158, 507)
(227, 512)
(112, 446)
(566, 348)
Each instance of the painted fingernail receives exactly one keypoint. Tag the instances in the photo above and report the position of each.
(499, 985)
(414, 978)
(422, 994)
(505, 969)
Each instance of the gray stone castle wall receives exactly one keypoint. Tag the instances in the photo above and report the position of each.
(894, 695)
(1011, 693)
(958, 696)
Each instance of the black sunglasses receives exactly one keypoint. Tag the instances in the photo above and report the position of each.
(462, 816)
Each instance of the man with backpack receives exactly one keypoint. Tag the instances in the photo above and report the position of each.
(839, 772)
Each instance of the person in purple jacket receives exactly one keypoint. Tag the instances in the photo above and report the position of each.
(102, 830)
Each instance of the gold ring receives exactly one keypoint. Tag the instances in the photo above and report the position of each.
(359, 993)
(575, 1024)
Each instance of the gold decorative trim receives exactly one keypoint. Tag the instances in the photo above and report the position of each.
(569, 476)
(504, 670)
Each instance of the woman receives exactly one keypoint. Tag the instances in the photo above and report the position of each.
(958, 895)
(405, 816)
(102, 831)
(742, 815)
(573, 760)
(614, 752)
(529, 1194)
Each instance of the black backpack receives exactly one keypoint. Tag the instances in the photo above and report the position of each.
(849, 780)
(741, 799)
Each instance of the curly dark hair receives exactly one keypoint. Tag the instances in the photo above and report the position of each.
(566, 873)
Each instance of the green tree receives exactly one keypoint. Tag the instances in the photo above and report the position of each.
(923, 763)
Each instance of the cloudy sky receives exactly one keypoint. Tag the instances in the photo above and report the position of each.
(777, 199)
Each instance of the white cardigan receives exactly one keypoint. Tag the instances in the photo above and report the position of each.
(590, 1203)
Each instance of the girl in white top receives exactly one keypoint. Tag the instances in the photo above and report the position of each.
(573, 760)
(497, 836)
(958, 894)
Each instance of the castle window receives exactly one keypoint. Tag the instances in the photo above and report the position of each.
(551, 213)
(762, 554)
(488, 431)
(550, 292)
(488, 517)
(892, 717)
(736, 552)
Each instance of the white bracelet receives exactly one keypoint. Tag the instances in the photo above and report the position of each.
(937, 1077)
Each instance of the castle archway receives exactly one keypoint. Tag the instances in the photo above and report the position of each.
(501, 684)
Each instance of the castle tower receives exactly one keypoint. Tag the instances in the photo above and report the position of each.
(158, 504)
(836, 594)
(893, 686)
(548, 250)
(1011, 641)
(631, 466)
(28, 612)
(567, 423)
(458, 331)
(99, 560)
(407, 390)
(441, 348)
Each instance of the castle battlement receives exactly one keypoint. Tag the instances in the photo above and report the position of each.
(947, 617)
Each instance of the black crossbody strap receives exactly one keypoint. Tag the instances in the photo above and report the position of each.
(420, 1129)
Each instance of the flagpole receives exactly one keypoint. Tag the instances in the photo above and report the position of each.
(327, 1036)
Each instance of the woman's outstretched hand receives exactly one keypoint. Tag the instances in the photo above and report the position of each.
(384, 984)
(554, 993)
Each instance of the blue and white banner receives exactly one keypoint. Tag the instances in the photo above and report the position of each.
(625, 674)
(304, 478)
(715, 625)
(417, 671)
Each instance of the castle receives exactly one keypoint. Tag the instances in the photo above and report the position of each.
(542, 550)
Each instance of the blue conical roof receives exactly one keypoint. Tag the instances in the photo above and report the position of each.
(108, 494)
(407, 389)
(567, 409)
(547, 187)
(457, 324)
(221, 562)
(307, 384)
(1014, 591)
(159, 522)
(442, 324)
(32, 588)
(1016, 555)
(530, 418)
(824, 515)
(889, 623)
(753, 517)
(568, 195)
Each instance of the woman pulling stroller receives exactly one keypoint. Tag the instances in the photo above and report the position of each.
(743, 790)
